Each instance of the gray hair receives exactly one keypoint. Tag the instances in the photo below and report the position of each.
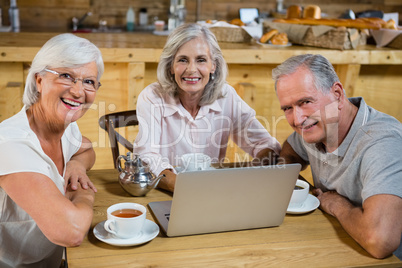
(323, 72)
(180, 36)
(66, 51)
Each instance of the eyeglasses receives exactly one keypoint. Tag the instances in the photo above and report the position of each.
(67, 79)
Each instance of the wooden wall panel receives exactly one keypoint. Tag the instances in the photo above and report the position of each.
(111, 97)
(11, 88)
(55, 3)
(121, 84)
(378, 92)
(255, 85)
(258, 79)
(347, 75)
(150, 73)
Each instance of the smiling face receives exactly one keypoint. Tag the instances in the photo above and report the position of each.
(61, 103)
(308, 111)
(192, 66)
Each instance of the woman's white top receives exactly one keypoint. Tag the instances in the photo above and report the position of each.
(167, 130)
(22, 242)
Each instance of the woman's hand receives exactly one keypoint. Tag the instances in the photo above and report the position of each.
(168, 182)
(265, 157)
(76, 168)
(76, 173)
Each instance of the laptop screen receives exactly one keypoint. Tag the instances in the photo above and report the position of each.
(227, 199)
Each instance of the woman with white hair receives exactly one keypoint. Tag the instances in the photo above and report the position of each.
(191, 109)
(46, 197)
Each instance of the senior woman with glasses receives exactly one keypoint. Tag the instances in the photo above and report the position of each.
(46, 197)
(191, 109)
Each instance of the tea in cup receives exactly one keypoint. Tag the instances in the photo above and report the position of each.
(125, 220)
(195, 161)
(299, 194)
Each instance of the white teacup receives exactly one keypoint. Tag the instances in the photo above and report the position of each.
(125, 220)
(195, 161)
(300, 194)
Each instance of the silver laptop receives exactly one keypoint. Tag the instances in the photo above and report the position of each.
(227, 199)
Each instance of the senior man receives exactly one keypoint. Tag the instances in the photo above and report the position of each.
(354, 152)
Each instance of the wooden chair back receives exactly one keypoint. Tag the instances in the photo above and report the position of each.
(109, 122)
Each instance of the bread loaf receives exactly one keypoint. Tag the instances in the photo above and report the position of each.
(237, 22)
(312, 12)
(268, 35)
(378, 21)
(391, 24)
(280, 39)
(294, 12)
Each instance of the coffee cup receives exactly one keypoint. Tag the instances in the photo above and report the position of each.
(195, 161)
(125, 220)
(299, 194)
(159, 25)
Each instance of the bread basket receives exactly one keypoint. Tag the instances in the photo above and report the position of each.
(231, 34)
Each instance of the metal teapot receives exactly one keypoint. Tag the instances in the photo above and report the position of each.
(135, 178)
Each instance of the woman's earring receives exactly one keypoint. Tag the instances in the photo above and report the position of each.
(212, 76)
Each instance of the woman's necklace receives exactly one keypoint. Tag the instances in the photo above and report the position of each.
(196, 112)
(193, 114)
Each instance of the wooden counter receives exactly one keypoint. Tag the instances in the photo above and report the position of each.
(310, 240)
(131, 61)
(146, 47)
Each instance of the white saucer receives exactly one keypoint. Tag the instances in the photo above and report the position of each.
(310, 204)
(149, 232)
(161, 32)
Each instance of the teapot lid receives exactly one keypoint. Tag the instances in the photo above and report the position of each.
(136, 162)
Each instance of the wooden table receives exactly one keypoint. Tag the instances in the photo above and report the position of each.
(309, 240)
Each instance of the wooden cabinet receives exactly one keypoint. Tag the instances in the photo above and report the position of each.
(131, 62)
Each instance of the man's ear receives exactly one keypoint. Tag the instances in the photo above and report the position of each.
(339, 93)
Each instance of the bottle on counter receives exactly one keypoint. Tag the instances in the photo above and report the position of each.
(143, 17)
(130, 19)
(13, 13)
(279, 6)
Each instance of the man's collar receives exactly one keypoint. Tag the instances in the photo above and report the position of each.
(359, 120)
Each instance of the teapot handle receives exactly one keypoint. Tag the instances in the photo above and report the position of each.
(118, 165)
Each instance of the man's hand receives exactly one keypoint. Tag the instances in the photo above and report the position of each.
(289, 156)
(376, 226)
(328, 200)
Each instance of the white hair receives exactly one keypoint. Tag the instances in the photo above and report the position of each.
(321, 69)
(66, 51)
(180, 36)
